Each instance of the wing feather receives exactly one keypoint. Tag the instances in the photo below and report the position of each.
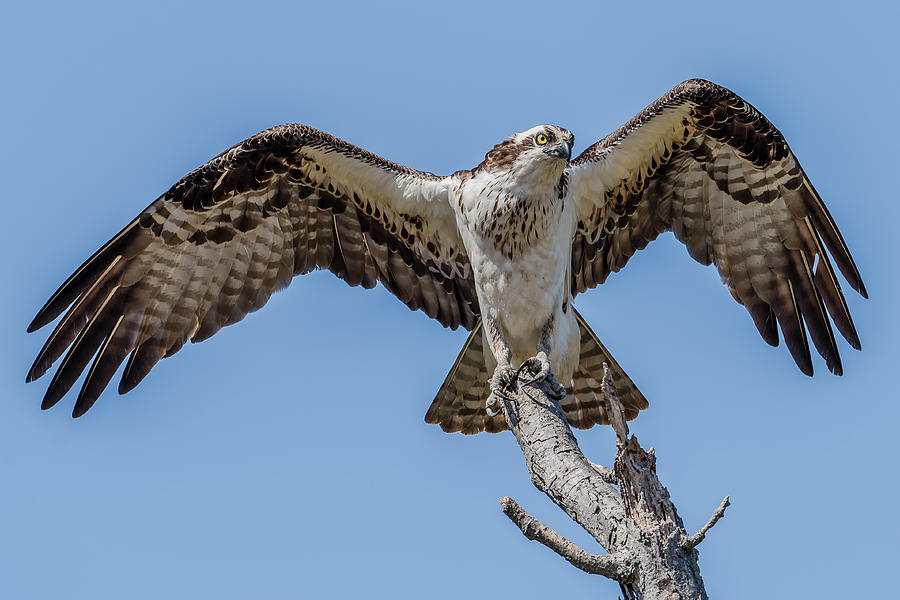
(224, 238)
(83, 348)
(827, 283)
(706, 165)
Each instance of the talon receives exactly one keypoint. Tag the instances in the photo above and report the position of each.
(539, 364)
(492, 406)
(502, 381)
(557, 390)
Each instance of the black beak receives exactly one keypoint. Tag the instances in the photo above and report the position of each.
(562, 150)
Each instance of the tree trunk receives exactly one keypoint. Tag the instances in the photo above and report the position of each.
(649, 552)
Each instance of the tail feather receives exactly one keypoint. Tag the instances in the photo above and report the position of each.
(459, 404)
(583, 404)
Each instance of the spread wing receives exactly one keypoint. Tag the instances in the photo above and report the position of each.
(217, 244)
(705, 164)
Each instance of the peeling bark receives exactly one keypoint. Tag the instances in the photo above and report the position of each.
(626, 508)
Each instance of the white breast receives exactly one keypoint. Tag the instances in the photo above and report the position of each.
(523, 289)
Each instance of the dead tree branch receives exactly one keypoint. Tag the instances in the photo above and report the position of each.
(692, 541)
(614, 567)
(649, 552)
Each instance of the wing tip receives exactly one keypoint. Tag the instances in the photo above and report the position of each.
(36, 323)
(82, 405)
(51, 309)
(801, 353)
(38, 368)
(125, 386)
(32, 375)
(51, 397)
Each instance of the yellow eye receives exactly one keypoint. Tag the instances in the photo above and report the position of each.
(541, 139)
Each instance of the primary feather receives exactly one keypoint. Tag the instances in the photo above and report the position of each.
(507, 244)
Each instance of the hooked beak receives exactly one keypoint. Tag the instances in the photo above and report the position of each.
(562, 150)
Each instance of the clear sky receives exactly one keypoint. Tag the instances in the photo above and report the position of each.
(288, 456)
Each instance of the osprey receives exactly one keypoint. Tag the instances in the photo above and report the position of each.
(501, 249)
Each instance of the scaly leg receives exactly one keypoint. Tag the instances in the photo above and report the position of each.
(540, 364)
(504, 376)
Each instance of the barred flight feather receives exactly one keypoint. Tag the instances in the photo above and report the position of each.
(705, 164)
(700, 162)
(217, 245)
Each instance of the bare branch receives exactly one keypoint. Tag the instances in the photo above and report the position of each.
(691, 542)
(611, 566)
(634, 519)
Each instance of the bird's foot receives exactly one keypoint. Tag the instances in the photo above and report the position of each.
(539, 365)
(503, 384)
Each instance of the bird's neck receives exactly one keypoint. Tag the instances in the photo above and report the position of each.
(534, 180)
(520, 185)
(513, 210)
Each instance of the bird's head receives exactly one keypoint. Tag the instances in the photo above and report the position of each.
(541, 149)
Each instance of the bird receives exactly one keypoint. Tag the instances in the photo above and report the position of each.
(501, 250)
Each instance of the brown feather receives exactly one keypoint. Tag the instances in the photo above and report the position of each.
(459, 405)
(217, 245)
(705, 164)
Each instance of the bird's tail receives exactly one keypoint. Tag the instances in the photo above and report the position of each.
(459, 404)
(583, 403)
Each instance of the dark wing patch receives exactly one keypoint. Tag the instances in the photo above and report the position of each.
(705, 164)
(224, 238)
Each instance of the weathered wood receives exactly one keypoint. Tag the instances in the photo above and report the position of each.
(608, 565)
(649, 552)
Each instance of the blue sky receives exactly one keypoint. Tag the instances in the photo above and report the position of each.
(288, 457)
